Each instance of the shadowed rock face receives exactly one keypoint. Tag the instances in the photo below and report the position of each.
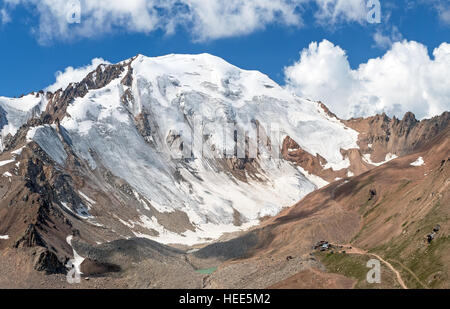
(30, 239)
(46, 260)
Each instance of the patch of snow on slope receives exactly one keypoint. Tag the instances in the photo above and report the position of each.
(388, 158)
(418, 162)
(90, 201)
(18, 152)
(6, 162)
(4, 237)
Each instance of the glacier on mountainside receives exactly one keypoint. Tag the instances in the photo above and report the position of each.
(14, 112)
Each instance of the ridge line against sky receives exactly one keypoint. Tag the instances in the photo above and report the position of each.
(356, 67)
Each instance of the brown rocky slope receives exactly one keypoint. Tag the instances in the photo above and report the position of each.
(388, 211)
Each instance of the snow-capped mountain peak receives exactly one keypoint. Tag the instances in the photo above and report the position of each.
(181, 134)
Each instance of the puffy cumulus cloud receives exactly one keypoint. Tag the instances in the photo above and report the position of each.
(74, 75)
(205, 19)
(404, 79)
(323, 73)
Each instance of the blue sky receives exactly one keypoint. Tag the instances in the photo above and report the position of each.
(30, 54)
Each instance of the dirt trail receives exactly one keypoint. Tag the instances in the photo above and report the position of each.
(412, 273)
(352, 250)
(399, 277)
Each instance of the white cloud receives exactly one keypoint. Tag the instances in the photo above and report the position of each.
(97, 17)
(204, 19)
(4, 17)
(74, 75)
(404, 79)
(444, 13)
(334, 11)
(218, 19)
(385, 41)
(442, 8)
